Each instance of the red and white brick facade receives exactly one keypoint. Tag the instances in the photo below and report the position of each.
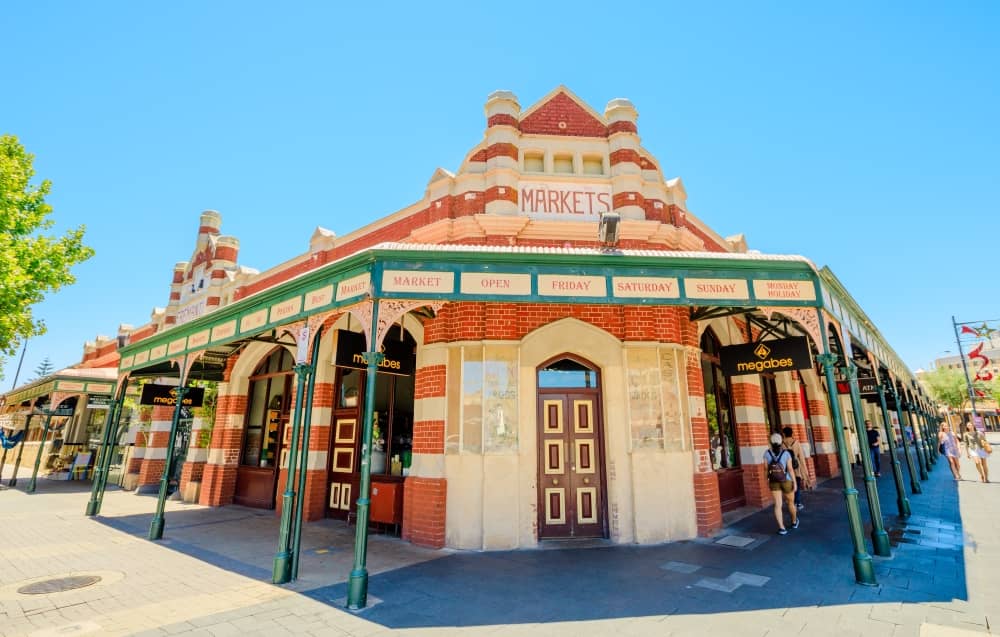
(539, 178)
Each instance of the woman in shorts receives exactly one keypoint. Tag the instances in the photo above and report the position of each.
(948, 443)
(776, 460)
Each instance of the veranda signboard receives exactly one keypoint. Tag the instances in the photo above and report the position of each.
(166, 396)
(780, 355)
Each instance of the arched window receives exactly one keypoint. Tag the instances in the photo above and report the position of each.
(718, 406)
(566, 373)
(269, 398)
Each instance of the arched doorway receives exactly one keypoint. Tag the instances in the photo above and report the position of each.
(268, 405)
(392, 427)
(572, 499)
(725, 447)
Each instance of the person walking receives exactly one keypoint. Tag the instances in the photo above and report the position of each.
(977, 448)
(802, 479)
(781, 481)
(874, 447)
(948, 445)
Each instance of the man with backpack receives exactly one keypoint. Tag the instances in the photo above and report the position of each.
(781, 481)
(802, 479)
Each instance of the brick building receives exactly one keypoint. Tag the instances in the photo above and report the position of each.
(553, 320)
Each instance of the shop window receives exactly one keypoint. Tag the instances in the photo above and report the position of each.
(645, 410)
(671, 379)
(718, 406)
(500, 406)
(593, 166)
(772, 413)
(270, 392)
(392, 407)
(563, 164)
(534, 162)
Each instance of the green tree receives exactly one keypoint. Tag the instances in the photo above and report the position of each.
(31, 263)
(948, 387)
(44, 369)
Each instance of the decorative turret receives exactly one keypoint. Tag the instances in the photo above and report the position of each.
(625, 159)
(502, 136)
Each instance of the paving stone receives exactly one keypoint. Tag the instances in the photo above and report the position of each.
(680, 567)
(712, 583)
(748, 579)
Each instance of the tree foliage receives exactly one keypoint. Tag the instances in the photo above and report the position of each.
(31, 262)
(44, 369)
(948, 387)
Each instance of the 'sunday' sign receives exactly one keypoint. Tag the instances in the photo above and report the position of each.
(546, 200)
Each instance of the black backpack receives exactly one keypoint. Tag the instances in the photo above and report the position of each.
(795, 461)
(775, 471)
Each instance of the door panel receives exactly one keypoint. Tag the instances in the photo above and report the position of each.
(571, 470)
(342, 463)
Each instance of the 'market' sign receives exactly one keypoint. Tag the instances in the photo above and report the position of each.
(781, 355)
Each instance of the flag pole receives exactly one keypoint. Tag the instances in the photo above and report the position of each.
(965, 369)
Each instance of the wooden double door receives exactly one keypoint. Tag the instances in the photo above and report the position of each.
(572, 501)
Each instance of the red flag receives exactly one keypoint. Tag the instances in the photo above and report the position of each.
(968, 330)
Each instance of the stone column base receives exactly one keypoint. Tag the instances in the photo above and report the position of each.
(424, 507)
(826, 465)
(708, 507)
(755, 485)
(218, 485)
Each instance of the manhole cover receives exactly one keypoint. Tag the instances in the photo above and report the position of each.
(59, 584)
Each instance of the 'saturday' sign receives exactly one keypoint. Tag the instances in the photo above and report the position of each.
(781, 355)
(166, 396)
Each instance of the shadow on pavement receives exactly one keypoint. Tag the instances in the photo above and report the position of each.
(747, 567)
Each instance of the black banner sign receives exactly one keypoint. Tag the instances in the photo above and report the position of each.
(61, 410)
(781, 355)
(867, 387)
(98, 401)
(351, 349)
(166, 396)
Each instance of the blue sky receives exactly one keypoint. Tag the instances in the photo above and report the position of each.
(864, 136)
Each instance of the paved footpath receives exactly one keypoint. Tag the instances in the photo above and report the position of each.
(210, 574)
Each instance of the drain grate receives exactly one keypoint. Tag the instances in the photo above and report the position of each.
(59, 584)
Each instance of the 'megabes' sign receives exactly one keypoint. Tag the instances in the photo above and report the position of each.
(166, 396)
(781, 355)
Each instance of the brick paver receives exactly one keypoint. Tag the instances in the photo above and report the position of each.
(210, 575)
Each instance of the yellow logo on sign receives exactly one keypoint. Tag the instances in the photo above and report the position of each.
(762, 351)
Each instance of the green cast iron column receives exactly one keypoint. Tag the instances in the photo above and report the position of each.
(104, 454)
(910, 469)
(304, 460)
(357, 584)
(38, 456)
(924, 437)
(17, 462)
(115, 432)
(156, 526)
(281, 572)
(918, 440)
(880, 539)
(929, 437)
(902, 502)
(864, 573)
